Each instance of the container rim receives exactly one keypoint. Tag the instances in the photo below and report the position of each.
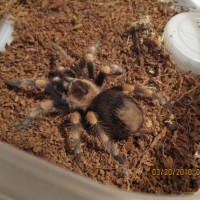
(26, 177)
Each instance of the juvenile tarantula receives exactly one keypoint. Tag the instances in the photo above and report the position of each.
(111, 112)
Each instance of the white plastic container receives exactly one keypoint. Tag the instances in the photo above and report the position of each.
(182, 41)
(191, 5)
(26, 177)
(6, 30)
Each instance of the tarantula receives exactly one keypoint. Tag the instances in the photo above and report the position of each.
(112, 114)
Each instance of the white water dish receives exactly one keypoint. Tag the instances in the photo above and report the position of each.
(182, 41)
(6, 30)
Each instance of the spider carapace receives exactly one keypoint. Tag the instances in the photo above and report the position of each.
(112, 114)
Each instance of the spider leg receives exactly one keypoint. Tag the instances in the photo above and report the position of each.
(89, 58)
(109, 145)
(77, 69)
(49, 89)
(108, 70)
(61, 72)
(75, 135)
(147, 92)
(43, 107)
(39, 83)
(64, 55)
(26, 83)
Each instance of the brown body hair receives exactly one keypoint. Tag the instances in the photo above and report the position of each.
(82, 92)
(118, 114)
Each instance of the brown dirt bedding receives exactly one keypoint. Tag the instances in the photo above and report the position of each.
(169, 138)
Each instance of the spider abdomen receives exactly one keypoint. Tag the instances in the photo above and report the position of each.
(119, 115)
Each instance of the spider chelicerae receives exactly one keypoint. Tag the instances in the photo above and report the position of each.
(112, 114)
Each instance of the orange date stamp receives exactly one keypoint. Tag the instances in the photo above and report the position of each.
(175, 172)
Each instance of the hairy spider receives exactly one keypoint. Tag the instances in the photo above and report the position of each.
(112, 114)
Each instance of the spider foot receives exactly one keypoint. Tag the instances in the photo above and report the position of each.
(13, 83)
(77, 158)
(19, 126)
(119, 158)
(24, 123)
(114, 151)
(169, 105)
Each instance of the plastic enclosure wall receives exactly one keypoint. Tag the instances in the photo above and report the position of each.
(26, 177)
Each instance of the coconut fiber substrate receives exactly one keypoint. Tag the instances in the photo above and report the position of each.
(164, 157)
